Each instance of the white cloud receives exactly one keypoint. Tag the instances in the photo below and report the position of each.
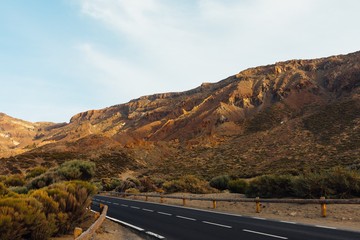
(176, 47)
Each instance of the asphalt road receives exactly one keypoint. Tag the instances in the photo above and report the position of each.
(174, 222)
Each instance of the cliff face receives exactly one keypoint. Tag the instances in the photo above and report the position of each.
(283, 103)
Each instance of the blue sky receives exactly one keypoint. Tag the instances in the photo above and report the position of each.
(61, 57)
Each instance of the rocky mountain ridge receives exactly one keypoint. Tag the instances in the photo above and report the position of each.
(279, 103)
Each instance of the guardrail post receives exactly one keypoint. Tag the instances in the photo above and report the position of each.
(184, 201)
(77, 232)
(257, 205)
(161, 199)
(214, 204)
(323, 207)
(146, 198)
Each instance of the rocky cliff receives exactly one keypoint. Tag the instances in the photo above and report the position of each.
(286, 116)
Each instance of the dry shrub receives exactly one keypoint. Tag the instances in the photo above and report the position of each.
(15, 180)
(188, 183)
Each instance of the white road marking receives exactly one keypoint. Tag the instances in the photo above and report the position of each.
(135, 207)
(108, 202)
(155, 235)
(217, 224)
(187, 218)
(288, 222)
(265, 234)
(148, 210)
(115, 203)
(259, 218)
(164, 213)
(125, 223)
(124, 205)
(321, 226)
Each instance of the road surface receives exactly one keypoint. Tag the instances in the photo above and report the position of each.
(175, 222)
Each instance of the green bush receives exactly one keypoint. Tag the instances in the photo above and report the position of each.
(19, 190)
(188, 183)
(238, 186)
(220, 182)
(34, 172)
(43, 180)
(271, 186)
(109, 184)
(77, 170)
(3, 190)
(14, 180)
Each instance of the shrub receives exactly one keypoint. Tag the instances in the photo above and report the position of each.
(43, 180)
(3, 190)
(77, 170)
(19, 190)
(268, 186)
(310, 185)
(147, 185)
(187, 184)
(238, 186)
(22, 218)
(220, 182)
(128, 183)
(109, 184)
(37, 171)
(14, 180)
(132, 191)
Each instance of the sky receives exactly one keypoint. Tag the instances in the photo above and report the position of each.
(62, 57)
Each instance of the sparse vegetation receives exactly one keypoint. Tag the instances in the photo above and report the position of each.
(77, 169)
(220, 182)
(188, 183)
(238, 186)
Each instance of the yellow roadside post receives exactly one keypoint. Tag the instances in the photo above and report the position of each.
(77, 232)
(161, 199)
(214, 204)
(323, 207)
(184, 201)
(258, 205)
(146, 198)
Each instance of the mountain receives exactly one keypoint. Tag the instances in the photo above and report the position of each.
(288, 117)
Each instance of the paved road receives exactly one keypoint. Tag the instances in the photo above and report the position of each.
(172, 222)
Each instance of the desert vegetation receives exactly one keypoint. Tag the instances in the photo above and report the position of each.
(337, 182)
(45, 202)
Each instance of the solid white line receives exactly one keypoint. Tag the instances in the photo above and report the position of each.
(155, 235)
(321, 226)
(124, 205)
(135, 207)
(115, 203)
(108, 202)
(216, 224)
(164, 213)
(192, 219)
(259, 218)
(125, 223)
(148, 210)
(265, 234)
(288, 222)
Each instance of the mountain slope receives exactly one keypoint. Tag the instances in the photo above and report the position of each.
(285, 117)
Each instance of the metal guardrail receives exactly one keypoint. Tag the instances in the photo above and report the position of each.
(322, 201)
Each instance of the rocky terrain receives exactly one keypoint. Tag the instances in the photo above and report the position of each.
(288, 117)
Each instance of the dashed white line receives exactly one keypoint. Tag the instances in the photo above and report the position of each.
(148, 210)
(187, 218)
(288, 222)
(259, 218)
(321, 226)
(155, 235)
(264, 234)
(135, 207)
(217, 224)
(164, 213)
(108, 202)
(124, 205)
(115, 203)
